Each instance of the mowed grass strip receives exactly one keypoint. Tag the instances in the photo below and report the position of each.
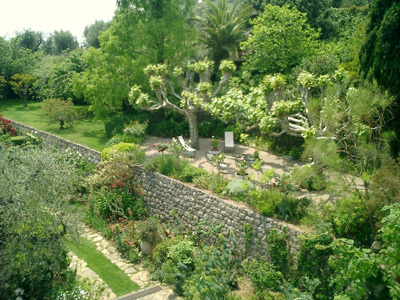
(113, 276)
(88, 132)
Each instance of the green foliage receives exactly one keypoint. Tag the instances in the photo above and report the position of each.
(263, 275)
(115, 124)
(312, 263)
(62, 111)
(360, 273)
(239, 187)
(92, 32)
(22, 85)
(189, 173)
(222, 28)
(215, 274)
(275, 203)
(133, 152)
(275, 31)
(349, 217)
(215, 182)
(309, 177)
(60, 42)
(35, 218)
(180, 264)
(278, 250)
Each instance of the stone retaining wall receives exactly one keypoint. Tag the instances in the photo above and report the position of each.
(50, 140)
(164, 194)
(192, 205)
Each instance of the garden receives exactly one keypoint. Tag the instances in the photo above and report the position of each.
(315, 127)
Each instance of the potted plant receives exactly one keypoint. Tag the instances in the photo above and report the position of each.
(241, 171)
(148, 233)
(214, 146)
(218, 160)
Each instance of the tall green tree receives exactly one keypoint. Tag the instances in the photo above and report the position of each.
(141, 33)
(188, 97)
(22, 85)
(92, 33)
(223, 28)
(280, 39)
(59, 42)
(30, 39)
(380, 54)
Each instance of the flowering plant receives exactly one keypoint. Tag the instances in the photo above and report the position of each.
(242, 167)
(5, 127)
(214, 143)
(161, 147)
(218, 159)
(175, 148)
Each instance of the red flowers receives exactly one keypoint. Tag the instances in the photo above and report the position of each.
(5, 127)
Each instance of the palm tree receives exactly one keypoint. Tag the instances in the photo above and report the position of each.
(222, 29)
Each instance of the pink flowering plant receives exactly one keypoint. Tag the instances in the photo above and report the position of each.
(161, 146)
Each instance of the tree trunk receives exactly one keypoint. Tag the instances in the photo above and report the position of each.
(25, 101)
(194, 131)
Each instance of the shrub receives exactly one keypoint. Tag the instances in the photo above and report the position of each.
(262, 275)
(6, 127)
(215, 182)
(189, 173)
(239, 187)
(166, 164)
(120, 199)
(309, 177)
(62, 111)
(115, 125)
(135, 132)
(215, 274)
(135, 154)
(19, 140)
(275, 203)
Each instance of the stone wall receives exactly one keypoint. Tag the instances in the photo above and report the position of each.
(50, 140)
(164, 194)
(192, 205)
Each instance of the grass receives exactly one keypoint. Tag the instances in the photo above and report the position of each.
(88, 132)
(113, 276)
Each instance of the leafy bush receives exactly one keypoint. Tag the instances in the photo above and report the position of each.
(215, 274)
(180, 264)
(135, 132)
(349, 218)
(211, 181)
(62, 111)
(6, 127)
(135, 154)
(275, 203)
(189, 173)
(239, 187)
(309, 177)
(166, 164)
(35, 219)
(19, 140)
(115, 125)
(169, 128)
(262, 275)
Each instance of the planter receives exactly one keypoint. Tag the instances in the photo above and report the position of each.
(146, 247)
(243, 177)
(214, 152)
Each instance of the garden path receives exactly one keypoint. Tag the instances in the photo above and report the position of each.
(134, 271)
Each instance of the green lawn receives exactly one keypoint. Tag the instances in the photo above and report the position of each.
(88, 132)
(113, 276)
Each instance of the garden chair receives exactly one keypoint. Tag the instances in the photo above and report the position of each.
(229, 145)
(189, 151)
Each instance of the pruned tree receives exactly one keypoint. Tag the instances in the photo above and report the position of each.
(191, 95)
(62, 111)
(21, 85)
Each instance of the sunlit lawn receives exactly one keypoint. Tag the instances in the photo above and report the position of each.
(113, 276)
(87, 132)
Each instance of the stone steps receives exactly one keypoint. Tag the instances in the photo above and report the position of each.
(148, 289)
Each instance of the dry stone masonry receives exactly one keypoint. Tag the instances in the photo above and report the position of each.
(192, 205)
